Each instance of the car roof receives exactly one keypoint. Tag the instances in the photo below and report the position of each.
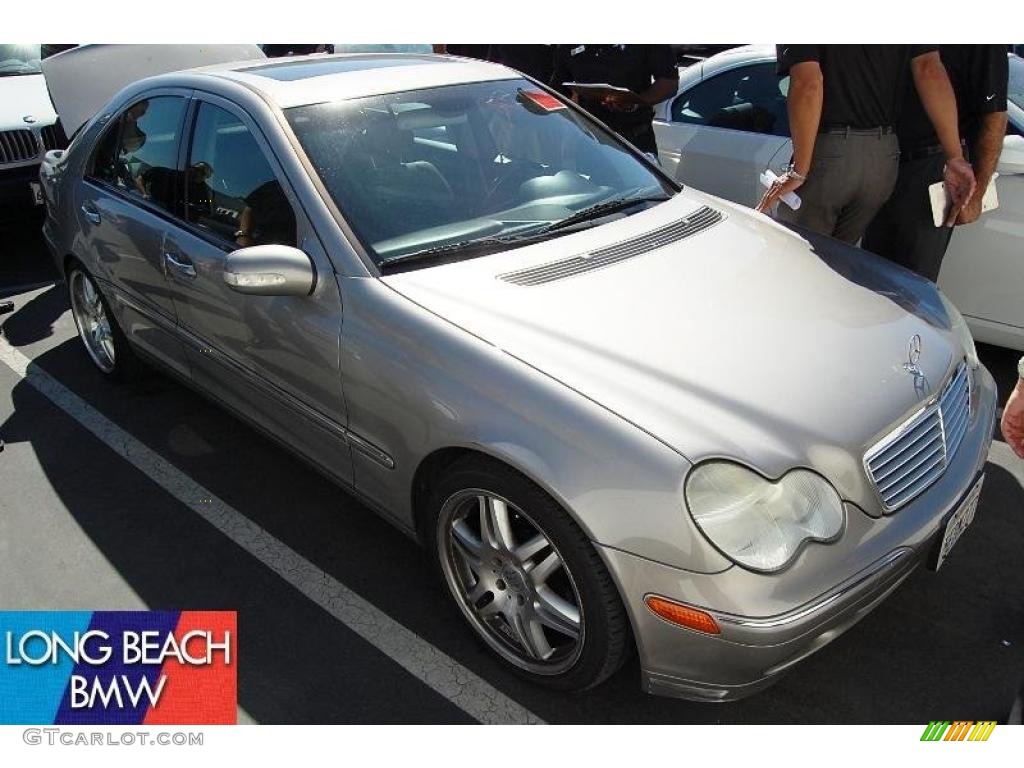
(299, 80)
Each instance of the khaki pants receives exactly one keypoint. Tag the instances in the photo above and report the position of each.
(851, 177)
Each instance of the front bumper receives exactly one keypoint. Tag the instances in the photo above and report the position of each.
(769, 622)
(17, 201)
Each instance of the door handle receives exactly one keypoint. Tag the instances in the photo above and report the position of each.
(91, 214)
(180, 264)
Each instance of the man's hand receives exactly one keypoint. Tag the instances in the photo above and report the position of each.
(782, 185)
(958, 177)
(620, 102)
(972, 211)
(1012, 423)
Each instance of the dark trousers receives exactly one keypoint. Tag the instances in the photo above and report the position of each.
(852, 175)
(903, 231)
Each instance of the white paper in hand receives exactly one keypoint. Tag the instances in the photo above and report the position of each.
(940, 200)
(768, 178)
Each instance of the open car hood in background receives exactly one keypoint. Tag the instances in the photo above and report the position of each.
(81, 80)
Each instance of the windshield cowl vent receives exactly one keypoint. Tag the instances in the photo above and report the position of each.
(698, 221)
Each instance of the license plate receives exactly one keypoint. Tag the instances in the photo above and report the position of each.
(37, 192)
(958, 522)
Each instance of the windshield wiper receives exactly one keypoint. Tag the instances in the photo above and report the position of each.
(463, 248)
(484, 245)
(598, 210)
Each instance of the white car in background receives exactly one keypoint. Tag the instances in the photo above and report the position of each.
(728, 123)
(28, 128)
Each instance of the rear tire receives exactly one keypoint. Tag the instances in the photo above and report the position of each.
(104, 342)
(525, 577)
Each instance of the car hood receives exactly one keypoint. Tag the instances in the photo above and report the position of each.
(24, 96)
(83, 79)
(745, 340)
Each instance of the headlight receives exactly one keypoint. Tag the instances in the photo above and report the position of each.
(761, 523)
(963, 333)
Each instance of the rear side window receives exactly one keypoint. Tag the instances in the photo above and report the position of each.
(751, 98)
(138, 153)
(231, 190)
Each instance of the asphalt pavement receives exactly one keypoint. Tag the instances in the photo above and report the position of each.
(151, 496)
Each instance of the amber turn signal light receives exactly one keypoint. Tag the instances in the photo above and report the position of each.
(683, 615)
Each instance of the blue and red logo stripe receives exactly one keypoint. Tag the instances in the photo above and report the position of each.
(43, 682)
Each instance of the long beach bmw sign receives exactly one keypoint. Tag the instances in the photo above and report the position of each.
(118, 668)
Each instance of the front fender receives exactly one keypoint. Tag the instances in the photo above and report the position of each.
(416, 384)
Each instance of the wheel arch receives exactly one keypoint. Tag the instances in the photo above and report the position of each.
(434, 464)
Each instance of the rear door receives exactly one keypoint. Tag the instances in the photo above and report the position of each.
(274, 359)
(125, 201)
(727, 128)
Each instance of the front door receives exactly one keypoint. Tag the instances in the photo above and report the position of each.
(274, 359)
(725, 130)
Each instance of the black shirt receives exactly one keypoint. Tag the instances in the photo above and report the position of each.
(628, 66)
(537, 61)
(468, 50)
(864, 85)
(979, 75)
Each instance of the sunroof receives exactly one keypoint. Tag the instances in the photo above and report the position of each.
(300, 70)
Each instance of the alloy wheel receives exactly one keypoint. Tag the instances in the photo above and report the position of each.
(510, 581)
(93, 323)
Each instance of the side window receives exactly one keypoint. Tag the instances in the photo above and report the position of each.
(231, 190)
(138, 153)
(751, 98)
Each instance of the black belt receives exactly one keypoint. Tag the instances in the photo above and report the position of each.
(920, 153)
(848, 130)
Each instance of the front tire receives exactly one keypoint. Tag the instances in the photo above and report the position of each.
(525, 577)
(104, 342)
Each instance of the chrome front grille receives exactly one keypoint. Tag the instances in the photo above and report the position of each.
(915, 454)
(17, 146)
(698, 221)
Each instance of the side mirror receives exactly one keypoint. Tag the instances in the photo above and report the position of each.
(1011, 161)
(270, 270)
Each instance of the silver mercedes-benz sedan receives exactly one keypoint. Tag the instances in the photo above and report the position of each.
(622, 417)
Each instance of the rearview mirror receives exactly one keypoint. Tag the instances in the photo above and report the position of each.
(1011, 161)
(270, 270)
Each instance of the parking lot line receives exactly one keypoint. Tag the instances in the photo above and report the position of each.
(436, 669)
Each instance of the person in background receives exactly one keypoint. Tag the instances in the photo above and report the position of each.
(537, 61)
(467, 50)
(274, 50)
(844, 102)
(904, 230)
(1012, 423)
(649, 71)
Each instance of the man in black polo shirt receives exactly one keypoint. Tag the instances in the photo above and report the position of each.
(904, 230)
(844, 102)
(535, 60)
(647, 70)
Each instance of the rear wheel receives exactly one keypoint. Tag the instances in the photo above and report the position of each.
(525, 577)
(104, 342)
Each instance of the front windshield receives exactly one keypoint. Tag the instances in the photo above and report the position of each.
(1016, 89)
(19, 59)
(437, 168)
